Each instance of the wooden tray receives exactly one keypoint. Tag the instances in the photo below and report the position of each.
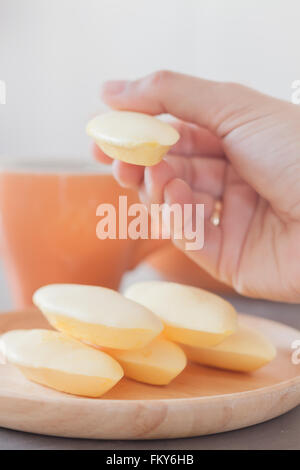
(200, 401)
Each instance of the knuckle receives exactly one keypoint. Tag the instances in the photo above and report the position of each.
(160, 78)
(232, 88)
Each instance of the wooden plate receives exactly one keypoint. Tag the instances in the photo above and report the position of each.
(200, 401)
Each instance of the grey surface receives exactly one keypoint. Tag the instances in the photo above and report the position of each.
(280, 433)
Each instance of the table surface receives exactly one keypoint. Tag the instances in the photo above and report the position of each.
(280, 433)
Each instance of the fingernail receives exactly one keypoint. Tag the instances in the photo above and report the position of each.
(114, 87)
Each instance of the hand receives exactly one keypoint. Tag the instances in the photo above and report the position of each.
(236, 145)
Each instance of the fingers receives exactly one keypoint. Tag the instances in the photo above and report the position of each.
(128, 176)
(206, 103)
(195, 140)
(202, 174)
(101, 156)
(178, 192)
(239, 203)
(155, 179)
(205, 175)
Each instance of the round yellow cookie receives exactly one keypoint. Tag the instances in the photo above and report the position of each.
(244, 351)
(52, 359)
(132, 137)
(158, 363)
(97, 315)
(190, 315)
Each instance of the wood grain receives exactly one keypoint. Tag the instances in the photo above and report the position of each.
(200, 401)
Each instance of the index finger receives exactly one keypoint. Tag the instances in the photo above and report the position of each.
(207, 103)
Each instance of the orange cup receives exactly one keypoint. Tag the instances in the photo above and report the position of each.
(48, 232)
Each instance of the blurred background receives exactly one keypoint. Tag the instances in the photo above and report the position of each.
(54, 55)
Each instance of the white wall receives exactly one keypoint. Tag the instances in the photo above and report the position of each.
(54, 55)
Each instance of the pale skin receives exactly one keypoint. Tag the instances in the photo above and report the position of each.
(237, 145)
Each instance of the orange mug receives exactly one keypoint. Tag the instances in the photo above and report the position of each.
(48, 233)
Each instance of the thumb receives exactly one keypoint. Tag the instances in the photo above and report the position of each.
(204, 102)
